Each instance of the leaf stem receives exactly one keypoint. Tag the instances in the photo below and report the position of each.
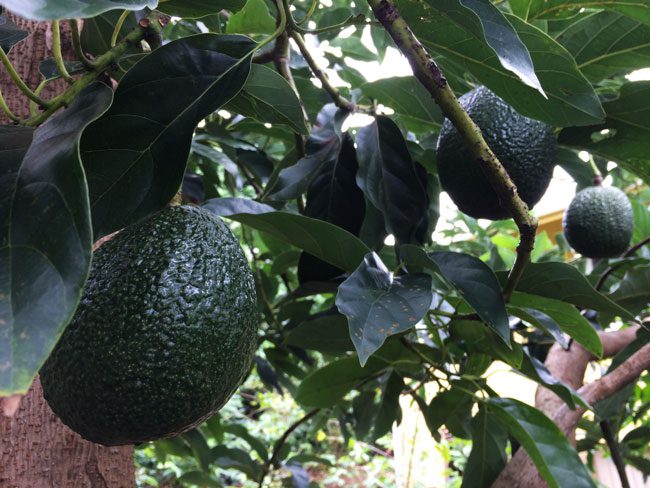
(431, 77)
(15, 77)
(118, 27)
(56, 51)
(281, 28)
(5, 108)
(455, 316)
(76, 44)
(310, 12)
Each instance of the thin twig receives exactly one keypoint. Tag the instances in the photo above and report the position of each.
(429, 74)
(615, 451)
(76, 44)
(7, 111)
(18, 81)
(630, 252)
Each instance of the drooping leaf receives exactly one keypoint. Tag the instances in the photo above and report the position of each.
(542, 321)
(488, 455)
(192, 9)
(269, 98)
(633, 292)
(392, 181)
(71, 9)
(323, 147)
(326, 386)
(571, 98)
(233, 458)
(388, 411)
(535, 370)
(255, 444)
(625, 135)
(253, 18)
(135, 155)
(327, 333)
(325, 241)
(199, 445)
(473, 279)
(45, 235)
(451, 408)
(378, 304)
(483, 20)
(566, 316)
(10, 33)
(555, 459)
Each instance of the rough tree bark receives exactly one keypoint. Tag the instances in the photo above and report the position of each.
(36, 449)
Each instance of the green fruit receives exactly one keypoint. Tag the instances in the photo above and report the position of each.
(599, 222)
(164, 334)
(525, 147)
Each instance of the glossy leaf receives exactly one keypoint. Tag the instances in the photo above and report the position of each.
(555, 459)
(473, 279)
(323, 147)
(269, 98)
(327, 333)
(192, 9)
(45, 235)
(483, 20)
(326, 386)
(71, 9)
(325, 241)
(488, 455)
(633, 292)
(378, 304)
(392, 181)
(571, 98)
(542, 321)
(566, 316)
(135, 155)
(10, 33)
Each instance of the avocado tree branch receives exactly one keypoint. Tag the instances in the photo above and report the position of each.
(431, 77)
(615, 450)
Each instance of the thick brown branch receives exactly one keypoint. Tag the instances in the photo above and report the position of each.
(427, 72)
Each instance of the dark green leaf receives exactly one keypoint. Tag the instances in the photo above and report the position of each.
(50, 71)
(97, 32)
(239, 459)
(253, 18)
(45, 235)
(555, 459)
(535, 370)
(638, 438)
(135, 155)
(451, 408)
(473, 279)
(189, 9)
(488, 456)
(200, 448)
(268, 97)
(326, 386)
(625, 135)
(484, 21)
(633, 292)
(388, 411)
(566, 316)
(325, 241)
(199, 478)
(255, 444)
(378, 304)
(71, 9)
(327, 333)
(10, 34)
(541, 321)
(392, 181)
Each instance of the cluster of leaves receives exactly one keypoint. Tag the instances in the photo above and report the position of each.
(350, 323)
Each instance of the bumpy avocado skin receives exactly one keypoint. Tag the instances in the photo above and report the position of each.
(525, 147)
(163, 336)
(599, 222)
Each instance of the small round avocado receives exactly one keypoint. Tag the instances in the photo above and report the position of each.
(165, 332)
(525, 147)
(599, 222)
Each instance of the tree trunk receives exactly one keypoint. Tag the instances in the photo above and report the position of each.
(36, 449)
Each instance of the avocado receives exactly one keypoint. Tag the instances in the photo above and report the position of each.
(164, 334)
(525, 147)
(599, 222)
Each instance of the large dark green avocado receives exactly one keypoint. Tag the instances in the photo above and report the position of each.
(164, 334)
(525, 147)
(599, 222)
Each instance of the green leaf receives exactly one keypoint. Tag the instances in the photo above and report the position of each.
(200, 448)
(625, 135)
(327, 333)
(378, 304)
(542, 321)
(97, 32)
(535, 370)
(71, 9)
(392, 181)
(484, 21)
(451, 408)
(326, 386)
(253, 18)
(268, 97)
(199, 478)
(238, 459)
(193, 9)
(50, 71)
(411, 102)
(45, 235)
(633, 292)
(388, 410)
(135, 155)
(550, 9)
(255, 444)
(564, 282)
(571, 98)
(488, 455)
(555, 459)
(10, 33)
(566, 316)
(321, 239)
(353, 47)
(605, 44)
(473, 279)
